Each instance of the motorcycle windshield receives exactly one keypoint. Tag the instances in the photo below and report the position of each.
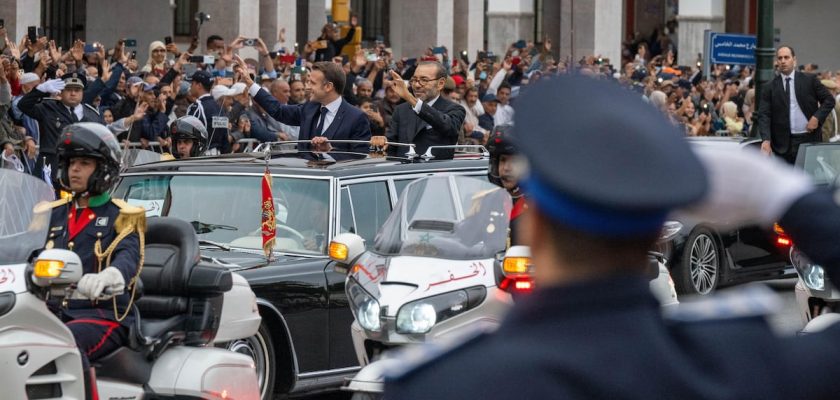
(22, 230)
(451, 217)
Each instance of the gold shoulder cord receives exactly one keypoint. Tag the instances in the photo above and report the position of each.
(131, 219)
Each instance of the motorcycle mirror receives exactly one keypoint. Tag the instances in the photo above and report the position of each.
(56, 267)
(345, 248)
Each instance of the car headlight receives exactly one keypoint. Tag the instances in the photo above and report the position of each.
(813, 276)
(421, 315)
(365, 308)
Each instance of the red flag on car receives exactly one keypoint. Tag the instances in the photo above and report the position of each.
(268, 223)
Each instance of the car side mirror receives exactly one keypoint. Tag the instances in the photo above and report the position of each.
(346, 248)
(55, 267)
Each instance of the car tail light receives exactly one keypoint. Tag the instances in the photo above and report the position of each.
(519, 285)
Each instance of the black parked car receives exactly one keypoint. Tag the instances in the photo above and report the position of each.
(304, 342)
(702, 259)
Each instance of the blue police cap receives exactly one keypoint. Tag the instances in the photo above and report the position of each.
(601, 160)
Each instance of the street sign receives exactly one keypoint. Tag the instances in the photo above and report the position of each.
(728, 48)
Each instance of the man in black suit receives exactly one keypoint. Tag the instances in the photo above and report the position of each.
(427, 119)
(793, 106)
(325, 116)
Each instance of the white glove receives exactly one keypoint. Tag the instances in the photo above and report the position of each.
(746, 187)
(51, 86)
(92, 286)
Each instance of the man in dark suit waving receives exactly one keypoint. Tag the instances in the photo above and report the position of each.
(792, 108)
(325, 117)
(425, 119)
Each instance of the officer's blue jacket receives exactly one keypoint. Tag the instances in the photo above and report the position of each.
(99, 226)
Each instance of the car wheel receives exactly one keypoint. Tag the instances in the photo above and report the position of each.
(699, 271)
(261, 349)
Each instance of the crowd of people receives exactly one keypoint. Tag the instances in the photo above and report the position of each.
(138, 100)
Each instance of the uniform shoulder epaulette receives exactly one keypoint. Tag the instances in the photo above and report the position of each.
(131, 217)
(49, 205)
(92, 108)
(50, 99)
(166, 157)
(126, 208)
(415, 358)
(754, 300)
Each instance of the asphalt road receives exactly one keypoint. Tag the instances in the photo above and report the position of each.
(786, 319)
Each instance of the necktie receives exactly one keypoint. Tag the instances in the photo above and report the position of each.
(73, 114)
(320, 127)
(787, 88)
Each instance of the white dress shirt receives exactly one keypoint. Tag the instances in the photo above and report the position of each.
(504, 115)
(419, 104)
(78, 110)
(798, 122)
(332, 110)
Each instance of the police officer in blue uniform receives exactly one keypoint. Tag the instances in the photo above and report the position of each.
(600, 184)
(106, 234)
(207, 109)
(53, 115)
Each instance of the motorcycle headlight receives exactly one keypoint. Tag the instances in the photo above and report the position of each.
(365, 308)
(368, 315)
(814, 277)
(421, 315)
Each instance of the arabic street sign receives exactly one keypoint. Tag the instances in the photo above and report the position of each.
(727, 48)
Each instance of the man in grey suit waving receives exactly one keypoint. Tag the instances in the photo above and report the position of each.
(792, 108)
(425, 119)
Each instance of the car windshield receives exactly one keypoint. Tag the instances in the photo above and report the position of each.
(821, 162)
(22, 230)
(227, 209)
(452, 217)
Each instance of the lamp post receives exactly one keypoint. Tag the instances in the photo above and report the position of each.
(764, 54)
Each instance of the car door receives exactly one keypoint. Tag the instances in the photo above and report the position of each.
(364, 205)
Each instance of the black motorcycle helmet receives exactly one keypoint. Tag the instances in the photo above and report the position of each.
(189, 127)
(501, 142)
(92, 140)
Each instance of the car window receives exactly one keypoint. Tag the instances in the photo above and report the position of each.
(400, 185)
(371, 205)
(346, 223)
(821, 162)
(227, 209)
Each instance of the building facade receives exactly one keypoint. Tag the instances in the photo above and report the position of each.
(577, 28)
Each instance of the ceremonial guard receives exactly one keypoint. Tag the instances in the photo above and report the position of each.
(503, 158)
(189, 137)
(106, 233)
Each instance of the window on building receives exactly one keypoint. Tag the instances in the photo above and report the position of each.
(374, 17)
(63, 20)
(185, 24)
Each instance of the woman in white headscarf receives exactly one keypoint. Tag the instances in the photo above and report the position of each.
(156, 65)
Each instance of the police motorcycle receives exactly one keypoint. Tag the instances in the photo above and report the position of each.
(817, 299)
(440, 269)
(436, 269)
(186, 306)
